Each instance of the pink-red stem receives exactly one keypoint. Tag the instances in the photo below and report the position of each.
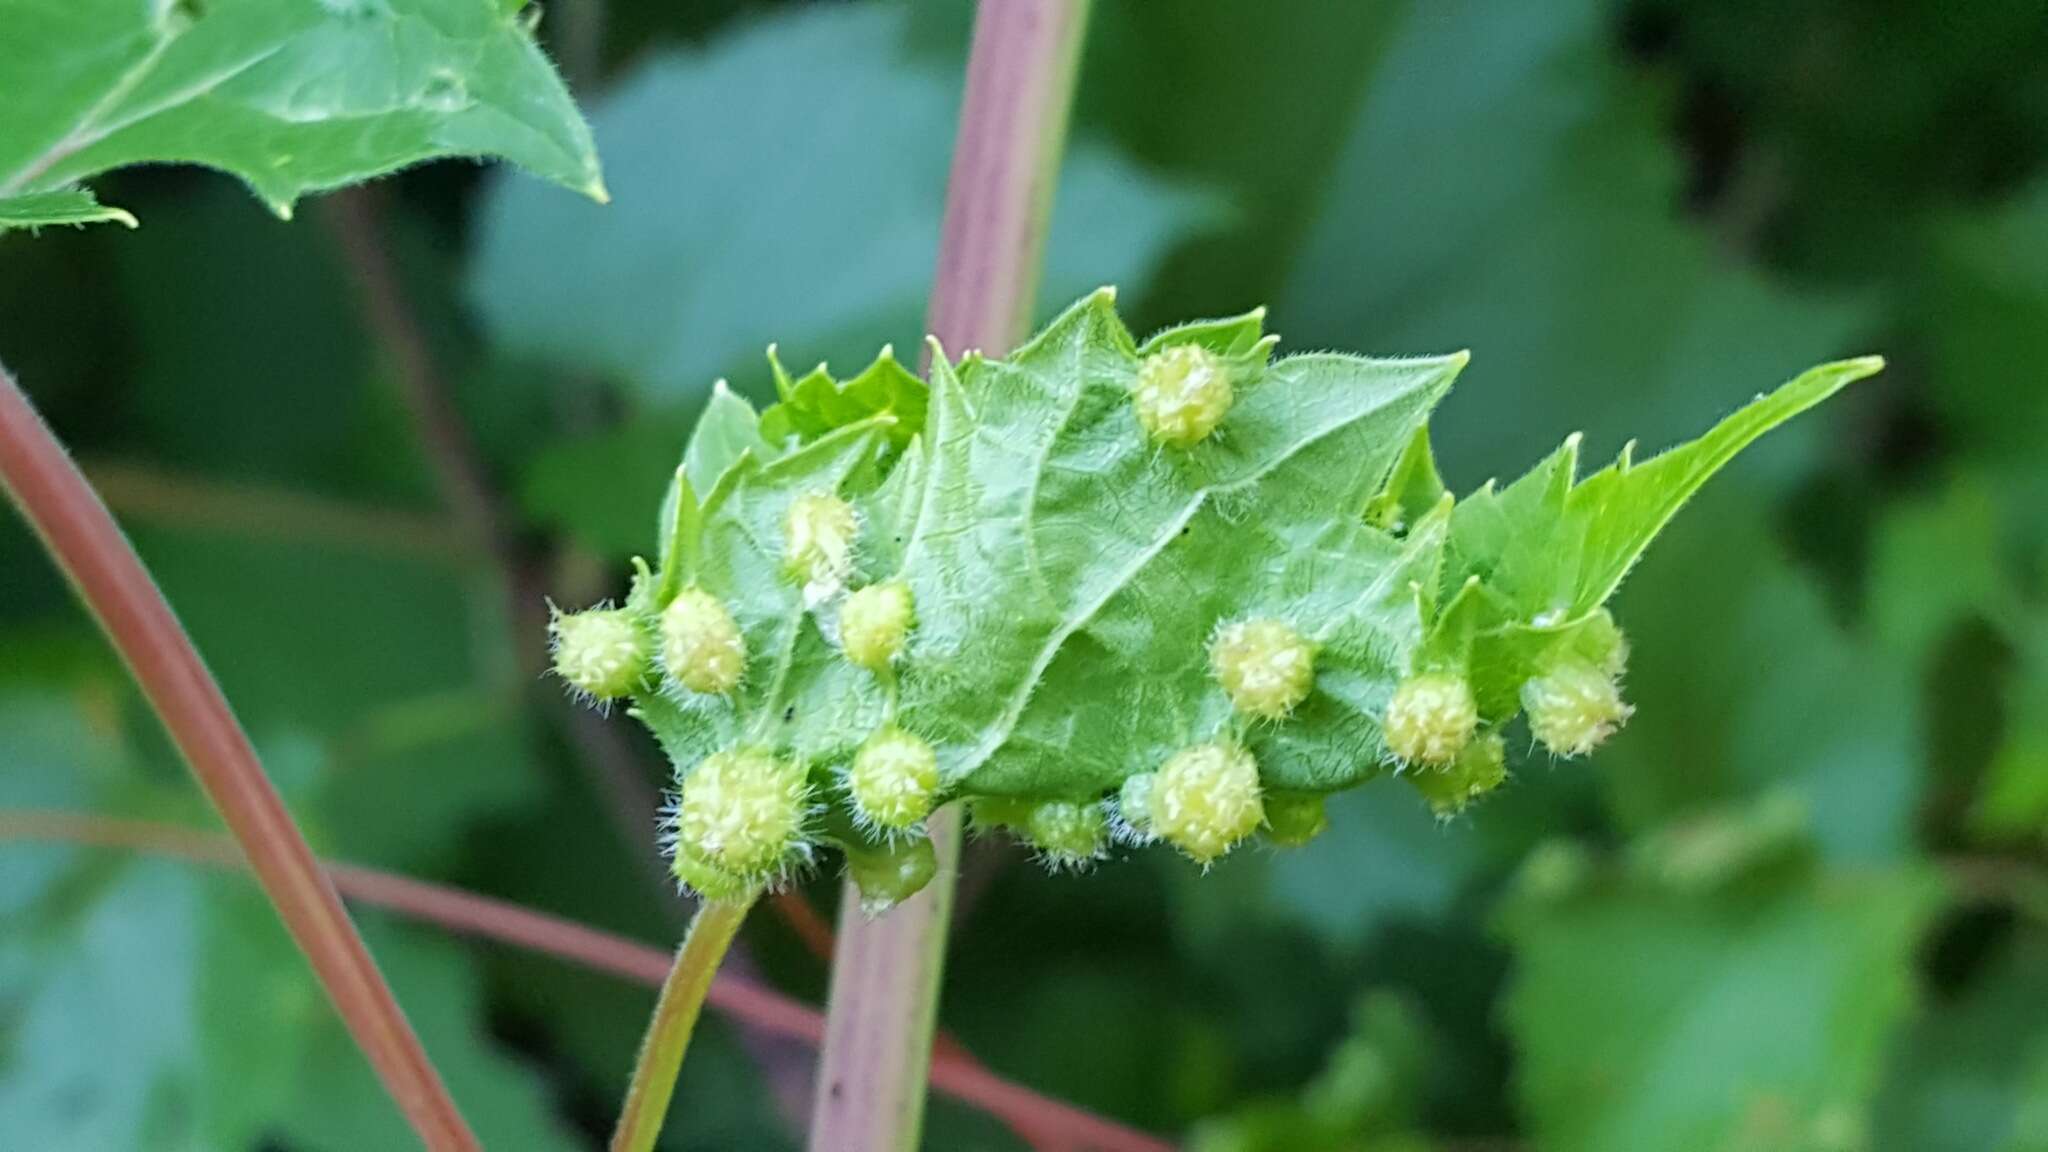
(885, 978)
(77, 529)
(468, 914)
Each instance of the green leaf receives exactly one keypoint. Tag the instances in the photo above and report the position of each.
(816, 404)
(1526, 567)
(1831, 715)
(152, 1004)
(1061, 642)
(1654, 1014)
(1068, 574)
(1972, 1075)
(292, 96)
(1553, 546)
(718, 245)
(65, 206)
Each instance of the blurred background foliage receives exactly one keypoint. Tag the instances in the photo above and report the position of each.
(1800, 904)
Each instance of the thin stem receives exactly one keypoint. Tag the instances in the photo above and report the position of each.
(458, 473)
(761, 1009)
(141, 492)
(675, 1018)
(1013, 123)
(79, 532)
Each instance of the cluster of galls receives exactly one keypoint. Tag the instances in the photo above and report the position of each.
(1433, 728)
(747, 817)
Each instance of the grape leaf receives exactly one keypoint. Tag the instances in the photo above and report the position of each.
(1698, 1001)
(1069, 574)
(291, 96)
(1527, 566)
(816, 403)
(73, 206)
(1062, 640)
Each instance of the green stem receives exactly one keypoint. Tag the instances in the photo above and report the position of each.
(1013, 126)
(675, 1018)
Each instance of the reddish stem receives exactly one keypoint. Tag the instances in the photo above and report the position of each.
(1013, 119)
(110, 578)
(469, 914)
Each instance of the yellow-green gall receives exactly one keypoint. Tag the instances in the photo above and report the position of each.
(874, 622)
(1602, 642)
(1431, 718)
(1574, 708)
(893, 779)
(1182, 393)
(1205, 799)
(701, 645)
(888, 874)
(602, 653)
(1134, 809)
(708, 881)
(742, 812)
(1265, 666)
(1068, 833)
(818, 535)
(1295, 818)
(1479, 769)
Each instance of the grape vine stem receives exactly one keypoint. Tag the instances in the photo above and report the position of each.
(954, 1071)
(109, 577)
(1013, 125)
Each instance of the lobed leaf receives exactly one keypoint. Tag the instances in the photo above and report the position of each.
(1069, 573)
(1526, 568)
(75, 206)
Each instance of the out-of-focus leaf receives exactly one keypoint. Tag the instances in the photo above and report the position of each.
(603, 489)
(785, 184)
(2012, 798)
(1527, 208)
(154, 1005)
(396, 666)
(1753, 1014)
(1745, 684)
(1365, 1100)
(1384, 856)
(1972, 1075)
(291, 96)
(1935, 563)
(73, 206)
(257, 368)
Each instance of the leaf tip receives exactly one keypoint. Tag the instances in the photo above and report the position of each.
(1459, 359)
(597, 191)
(1105, 295)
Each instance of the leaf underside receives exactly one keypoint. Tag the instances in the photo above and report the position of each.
(73, 206)
(1068, 574)
(291, 96)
